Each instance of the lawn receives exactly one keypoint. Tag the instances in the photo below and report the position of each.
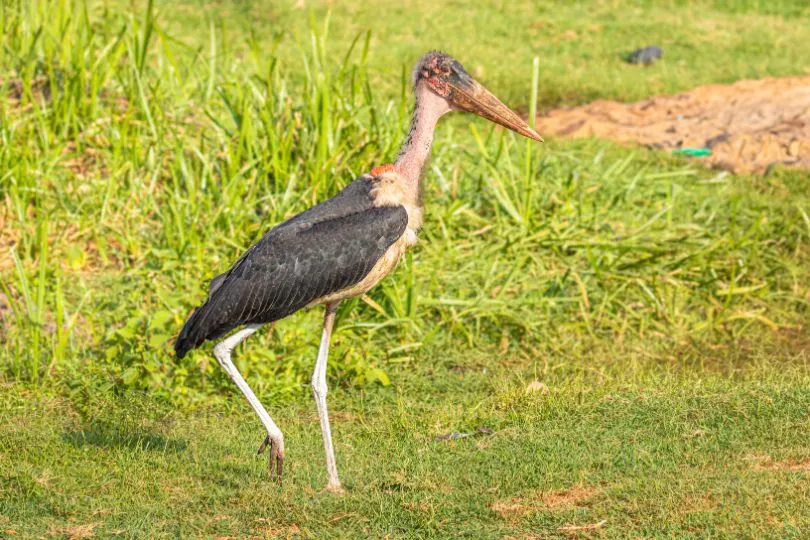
(623, 334)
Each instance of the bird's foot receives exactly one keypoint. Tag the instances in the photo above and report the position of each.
(335, 488)
(276, 460)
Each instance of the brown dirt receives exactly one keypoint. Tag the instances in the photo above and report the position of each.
(749, 125)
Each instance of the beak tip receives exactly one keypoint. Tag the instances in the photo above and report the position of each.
(480, 101)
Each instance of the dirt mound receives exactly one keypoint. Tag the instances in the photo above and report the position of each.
(749, 125)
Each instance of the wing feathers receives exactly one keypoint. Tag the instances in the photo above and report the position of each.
(314, 254)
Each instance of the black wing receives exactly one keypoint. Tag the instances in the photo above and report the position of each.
(325, 249)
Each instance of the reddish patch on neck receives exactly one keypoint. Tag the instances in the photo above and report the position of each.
(382, 169)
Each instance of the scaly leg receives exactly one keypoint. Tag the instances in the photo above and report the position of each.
(319, 390)
(274, 439)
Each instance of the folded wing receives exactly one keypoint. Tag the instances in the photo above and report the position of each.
(319, 252)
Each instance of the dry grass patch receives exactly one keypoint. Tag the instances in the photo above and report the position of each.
(519, 507)
(576, 529)
(75, 532)
(767, 463)
(83, 163)
(421, 507)
(288, 531)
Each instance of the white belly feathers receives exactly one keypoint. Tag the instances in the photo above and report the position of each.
(388, 191)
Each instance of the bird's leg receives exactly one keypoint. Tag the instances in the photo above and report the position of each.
(319, 391)
(274, 439)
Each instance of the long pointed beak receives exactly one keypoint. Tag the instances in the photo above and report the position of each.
(471, 96)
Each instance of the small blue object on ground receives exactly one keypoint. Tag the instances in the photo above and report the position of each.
(645, 55)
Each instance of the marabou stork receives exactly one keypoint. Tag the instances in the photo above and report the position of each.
(338, 249)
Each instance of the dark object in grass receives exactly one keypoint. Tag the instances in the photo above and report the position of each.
(338, 249)
(453, 435)
(645, 55)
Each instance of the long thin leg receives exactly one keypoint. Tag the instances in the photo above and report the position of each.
(319, 390)
(275, 439)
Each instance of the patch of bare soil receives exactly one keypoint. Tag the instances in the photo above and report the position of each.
(749, 125)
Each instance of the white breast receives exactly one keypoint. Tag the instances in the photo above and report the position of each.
(390, 190)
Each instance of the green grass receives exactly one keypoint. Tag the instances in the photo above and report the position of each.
(579, 43)
(663, 305)
(694, 456)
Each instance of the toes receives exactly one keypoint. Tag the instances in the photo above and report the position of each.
(278, 474)
(276, 464)
(279, 466)
(271, 466)
(335, 489)
(276, 460)
(267, 442)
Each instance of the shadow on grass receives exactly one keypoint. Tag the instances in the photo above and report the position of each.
(107, 436)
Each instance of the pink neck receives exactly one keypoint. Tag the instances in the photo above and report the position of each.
(415, 150)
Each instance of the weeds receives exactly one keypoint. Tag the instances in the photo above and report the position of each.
(136, 167)
(629, 329)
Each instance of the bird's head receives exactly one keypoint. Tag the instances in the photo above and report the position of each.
(448, 79)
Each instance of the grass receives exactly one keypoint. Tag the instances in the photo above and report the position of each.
(663, 306)
(696, 455)
(579, 43)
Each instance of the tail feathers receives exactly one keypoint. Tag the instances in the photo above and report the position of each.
(193, 333)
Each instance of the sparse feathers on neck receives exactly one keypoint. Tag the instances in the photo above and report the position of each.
(415, 151)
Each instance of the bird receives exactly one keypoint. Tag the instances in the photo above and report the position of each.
(338, 249)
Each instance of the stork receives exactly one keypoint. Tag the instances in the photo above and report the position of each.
(338, 249)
